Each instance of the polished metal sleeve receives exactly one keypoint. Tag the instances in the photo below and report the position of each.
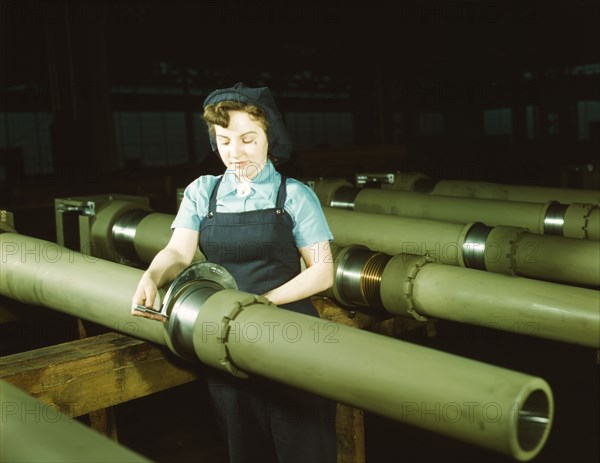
(473, 247)
(344, 197)
(554, 220)
(124, 230)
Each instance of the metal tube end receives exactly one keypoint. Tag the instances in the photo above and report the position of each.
(533, 420)
(186, 297)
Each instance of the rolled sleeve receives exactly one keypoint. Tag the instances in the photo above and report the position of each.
(194, 204)
(310, 224)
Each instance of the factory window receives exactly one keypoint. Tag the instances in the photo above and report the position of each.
(146, 90)
(431, 124)
(25, 143)
(586, 69)
(552, 123)
(497, 121)
(323, 129)
(532, 121)
(588, 116)
(151, 139)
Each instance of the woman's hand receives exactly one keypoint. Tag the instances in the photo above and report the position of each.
(317, 277)
(165, 266)
(145, 295)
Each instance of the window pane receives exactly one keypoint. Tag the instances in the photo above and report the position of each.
(497, 121)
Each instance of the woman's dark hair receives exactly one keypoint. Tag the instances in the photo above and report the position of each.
(218, 114)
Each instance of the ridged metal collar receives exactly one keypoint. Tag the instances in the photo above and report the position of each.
(554, 220)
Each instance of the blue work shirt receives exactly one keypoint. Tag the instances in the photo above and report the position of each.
(302, 204)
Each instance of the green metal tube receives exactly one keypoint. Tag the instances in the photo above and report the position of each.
(496, 408)
(35, 432)
(534, 194)
(508, 250)
(460, 210)
(152, 234)
(43, 273)
(326, 189)
(410, 285)
(571, 221)
(394, 235)
(514, 251)
(582, 221)
(103, 227)
(138, 233)
(520, 305)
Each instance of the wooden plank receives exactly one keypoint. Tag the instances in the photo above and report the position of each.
(396, 327)
(329, 310)
(350, 430)
(86, 375)
(104, 420)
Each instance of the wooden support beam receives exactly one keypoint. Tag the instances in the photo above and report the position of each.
(397, 327)
(104, 421)
(87, 375)
(349, 421)
(350, 431)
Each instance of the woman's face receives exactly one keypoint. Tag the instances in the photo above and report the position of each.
(243, 145)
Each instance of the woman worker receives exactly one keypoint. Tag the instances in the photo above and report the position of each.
(257, 224)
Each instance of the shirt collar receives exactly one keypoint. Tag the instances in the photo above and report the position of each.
(263, 184)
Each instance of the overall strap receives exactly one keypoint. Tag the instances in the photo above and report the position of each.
(281, 194)
(212, 205)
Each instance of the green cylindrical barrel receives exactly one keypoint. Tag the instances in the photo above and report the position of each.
(512, 250)
(43, 273)
(534, 194)
(129, 231)
(489, 406)
(509, 250)
(461, 210)
(395, 235)
(152, 234)
(409, 285)
(572, 221)
(35, 432)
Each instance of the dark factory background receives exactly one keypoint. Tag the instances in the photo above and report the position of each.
(498, 91)
(105, 97)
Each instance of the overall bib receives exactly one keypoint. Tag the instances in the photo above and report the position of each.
(264, 421)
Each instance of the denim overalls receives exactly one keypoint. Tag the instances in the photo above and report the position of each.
(264, 420)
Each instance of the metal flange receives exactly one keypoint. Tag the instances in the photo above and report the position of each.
(185, 298)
